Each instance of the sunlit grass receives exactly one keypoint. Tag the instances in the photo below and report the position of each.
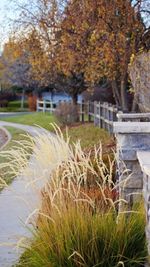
(15, 106)
(89, 135)
(37, 118)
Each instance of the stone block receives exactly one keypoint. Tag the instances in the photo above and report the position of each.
(126, 154)
(132, 181)
(131, 127)
(138, 141)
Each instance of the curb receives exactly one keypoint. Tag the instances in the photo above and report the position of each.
(13, 114)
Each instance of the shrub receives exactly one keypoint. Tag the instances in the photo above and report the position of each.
(77, 224)
(16, 105)
(5, 97)
(3, 103)
(67, 113)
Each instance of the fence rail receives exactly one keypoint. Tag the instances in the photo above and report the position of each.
(45, 106)
(102, 114)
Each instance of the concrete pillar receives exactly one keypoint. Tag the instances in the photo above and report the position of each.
(131, 137)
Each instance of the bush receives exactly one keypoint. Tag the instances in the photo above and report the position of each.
(3, 103)
(67, 113)
(77, 224)
(16, 105)
(5, 97)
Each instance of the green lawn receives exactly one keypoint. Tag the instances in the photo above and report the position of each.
(17, 135)
(15, 106)
(37, 118)
(89, 135)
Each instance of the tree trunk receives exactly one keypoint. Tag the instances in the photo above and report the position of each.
(123, 91)
(22, 99)
(116, 93)
(75, 99)
(75, 102)
(134, 104)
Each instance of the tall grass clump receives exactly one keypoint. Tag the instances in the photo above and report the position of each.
(77, 223)
(15, 157)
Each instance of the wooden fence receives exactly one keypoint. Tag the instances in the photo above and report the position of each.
(102, 114)
(45, 106)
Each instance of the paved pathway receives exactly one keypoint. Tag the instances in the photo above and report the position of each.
(16, 202)
(13, 114)
(3, 137)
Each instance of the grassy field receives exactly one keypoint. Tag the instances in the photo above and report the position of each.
(37, 118)
(89, 135)
(15, 106)
(86, 133)
(17, 135)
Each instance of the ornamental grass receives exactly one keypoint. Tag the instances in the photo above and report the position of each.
(78, 223)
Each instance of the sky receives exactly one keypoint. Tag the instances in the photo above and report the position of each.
(7, 8)
(6, 13)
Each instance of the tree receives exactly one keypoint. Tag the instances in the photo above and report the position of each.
(77, 43)
(101, 42)
(16, 66)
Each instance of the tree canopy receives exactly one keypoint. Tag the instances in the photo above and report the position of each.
(73, 44)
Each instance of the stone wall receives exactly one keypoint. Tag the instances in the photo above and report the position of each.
(131, 137)
(133, 157)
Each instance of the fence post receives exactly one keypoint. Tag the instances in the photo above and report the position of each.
(37, 105)
(107, 117)
(104, 115)
(82, 111)
(94, 113)
(44, 105)
(118, 116)
(99, 113)
(51, 106)
(89, 115)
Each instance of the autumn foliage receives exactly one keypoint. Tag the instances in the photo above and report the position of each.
(75, 44)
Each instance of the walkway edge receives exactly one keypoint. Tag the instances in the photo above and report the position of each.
(8, 135)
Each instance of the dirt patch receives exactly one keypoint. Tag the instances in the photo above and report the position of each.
(3, 137)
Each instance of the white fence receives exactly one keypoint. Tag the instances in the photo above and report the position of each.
(45, 106)
(102, 114)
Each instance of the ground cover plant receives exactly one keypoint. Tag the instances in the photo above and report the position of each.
(77, 224)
